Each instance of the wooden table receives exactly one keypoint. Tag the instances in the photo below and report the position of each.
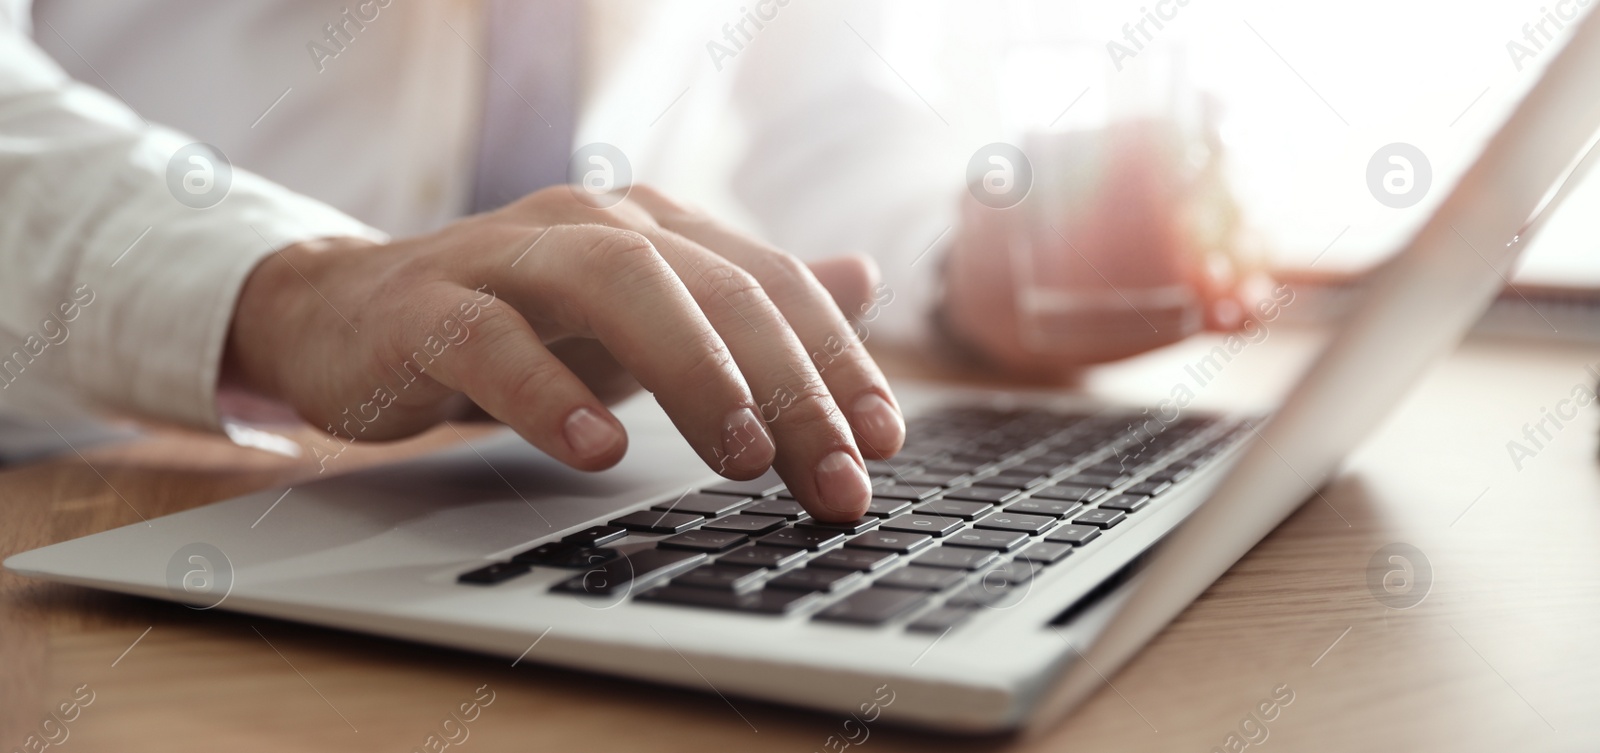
(1501, 654)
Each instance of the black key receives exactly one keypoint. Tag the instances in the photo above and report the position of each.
(1012, 480)
(783, 508)
(953, 508)
(1046, 552)
(884, 507)
(650, 521)
(750, 524)
(759, 602)
(862, 560)
(921, 578)
(1129, 457)
(562, 554)
(579, 558)
(1075, 535)
(1018, 570)
(890, 541)
(956, 558)
(1096, 479)
(933, 479)
(876, 468)
(1149, 488)
(1069, 454)
(1010, 521)
(990, 590)
(939, 620)
(859, 525)
(990, 494)
(913, 458)
(493, 573)
(756, 487)
(545, 554)
(873, 606)
(972, 461)
(762, 556)
(635, 570)
(998, 541)
(725, 577)
(1100, 518)
(821, 580)
(1126, 503)
(708, 505)
(950, 469)
(1055, 508)
(901, 491)
(704, 541)
(932, 525)
(1069, 493)
(1172, 473)
(812, 539)
(1115, 467)
(595, 536)
(1042, 467)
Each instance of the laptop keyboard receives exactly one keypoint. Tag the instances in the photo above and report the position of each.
(978, 503)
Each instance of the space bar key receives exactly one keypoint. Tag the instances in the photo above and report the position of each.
(630, 572)
(873, 606)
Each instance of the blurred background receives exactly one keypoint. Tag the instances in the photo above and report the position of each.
(1306, 94)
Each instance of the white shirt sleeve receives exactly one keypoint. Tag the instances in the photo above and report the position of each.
(115, 298)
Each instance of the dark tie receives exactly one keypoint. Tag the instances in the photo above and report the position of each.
(530, 99)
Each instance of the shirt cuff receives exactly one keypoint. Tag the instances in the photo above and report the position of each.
(158, 286)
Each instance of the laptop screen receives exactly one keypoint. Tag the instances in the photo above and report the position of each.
(1415, 309)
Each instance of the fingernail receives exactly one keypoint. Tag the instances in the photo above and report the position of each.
(843, 485)
(746, 445)
(589, 435)
(879, 423)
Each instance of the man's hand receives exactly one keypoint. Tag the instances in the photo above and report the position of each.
(540, 313)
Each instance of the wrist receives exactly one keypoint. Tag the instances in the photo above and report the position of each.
(268, 316)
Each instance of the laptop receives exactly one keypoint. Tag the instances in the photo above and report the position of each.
(1019, 550)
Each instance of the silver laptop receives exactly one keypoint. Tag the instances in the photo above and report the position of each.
(1020, 548)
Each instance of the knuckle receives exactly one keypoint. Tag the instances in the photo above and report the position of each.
(650, 192)
(516, 243)
(539, 202)
(859, 277)
(868, 270)
(786, 274)
(557, 201)
(666, 207)
(515, 381)
(806, 405)
(402, 283)
(713, 364)
(408, 328)
(734, 288)
(493, 318)
(612, 251)
(490, 325)
(531, 386)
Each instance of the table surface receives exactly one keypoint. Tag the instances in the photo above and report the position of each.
(1500, 654)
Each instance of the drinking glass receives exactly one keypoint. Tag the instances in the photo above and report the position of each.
(1127, 202)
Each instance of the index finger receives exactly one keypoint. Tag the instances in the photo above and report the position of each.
(853, 379)
(609, 284)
